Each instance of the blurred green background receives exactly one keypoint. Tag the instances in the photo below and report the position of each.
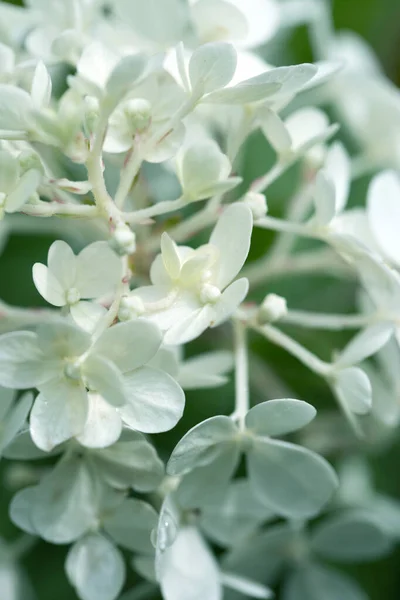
(379, 22)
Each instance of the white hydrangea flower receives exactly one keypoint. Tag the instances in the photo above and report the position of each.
(71, 280)
(368, 102)
(142, 113)
(64, 364)
(191, 289)
(16, 186)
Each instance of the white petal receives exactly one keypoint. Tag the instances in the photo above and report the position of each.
(87, 314)
(213, 18)
(324, 198)
(96, 568)
(129, 345)
(99, 270)
(354, 391)
(383, 207)
(15, 107)
(305, 124)
(230, 300)
(365, 344)
(232, 236)
(338, 168)
(188, 569)
(191, 327)
(47, 285)
(61, 262)
(62, 339)
(27, 186)
(58, 413)
(263, 20)
(170, 256)
(205, 370)
(105, 378)
(155, 402)
(22, 364)
(212, 66)
(103, 424)
(41, 87)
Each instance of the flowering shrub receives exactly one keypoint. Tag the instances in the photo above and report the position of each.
(123, 129)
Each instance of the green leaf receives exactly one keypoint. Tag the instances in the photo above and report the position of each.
(131, 524)
(212, 66)
(351, 537)
(202, 444)
(293, 481)
(279, 417)
(314, 582)
(96, 568)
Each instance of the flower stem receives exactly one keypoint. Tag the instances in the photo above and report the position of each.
(242, 397)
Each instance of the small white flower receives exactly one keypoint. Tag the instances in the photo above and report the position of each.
(16, 188)
(192, 289)
(69, 280)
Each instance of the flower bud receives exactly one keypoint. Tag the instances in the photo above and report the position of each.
(123, 240)
(209, 294)
(91, 114)
(29, 159)
(138, 113)
(131, 307)
(272, 309)
(257, 204)
(73, 296)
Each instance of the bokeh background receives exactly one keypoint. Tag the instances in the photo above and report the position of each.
(379, 22)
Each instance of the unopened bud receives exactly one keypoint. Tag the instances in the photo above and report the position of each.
(91, 113)
(131, 307)
(257, 204)
(73, 296)
(209, 294)
(272, 309)
(138, 112)
(29, 159)
(123, 240)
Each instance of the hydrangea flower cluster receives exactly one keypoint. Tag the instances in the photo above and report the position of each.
(125, 133)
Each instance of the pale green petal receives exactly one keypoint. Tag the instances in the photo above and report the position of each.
(351, 537)
(96, 568)
(191, 327)
(65, 502)
(22, 363)
(315, 582)
(170, 256)
(105, 378)
(98, 270)
(21, 508)
(202, 444)
(58, 413)
(212, 66)
(103, 425)
(229, 301)
(48, 285)
(293, 481)
(365, 344)
(62, 263)
(27, 185)
(206, 370)
(232, 236)
(354, 390)
(130, 462)
(131, 524)
(87, 314)
(62, 340)
(206, 485)
(15, 420)
(155, 401)
(236, 516)
(188, 569)
(279, 417)
(129, 345)
(15, 108)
